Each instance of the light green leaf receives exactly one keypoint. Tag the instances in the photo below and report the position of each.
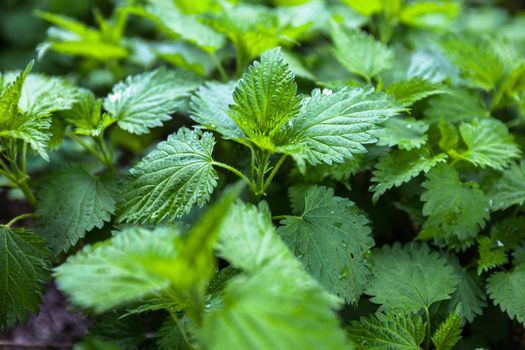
(480, 65)
(359, 52)
(405, 133)
(456, 106)
(173, 178)
(509, 189)
(119, 270)
(410, 278)
(23, 269)
(86, 115)
(334, 127)
(248, 239)
(210, 109)
(448, 333)
(408, 92)
(388, 330)
(66, 217)
(430, 14)
(398, 167)
(145, 101)
(454, 208)
(287, 316)
(330, 235)
(365, 7)
(265, 99)
(506, 290)
(489, 144)
(187, 26)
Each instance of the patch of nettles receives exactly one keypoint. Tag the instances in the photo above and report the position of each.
(394, 128)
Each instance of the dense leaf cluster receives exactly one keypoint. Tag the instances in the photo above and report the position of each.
(394, 131)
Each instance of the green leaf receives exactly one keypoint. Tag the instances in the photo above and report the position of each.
(480, 65)
(448, 333)
(427, 14)
(330, 235)
(23, 269)
(66, 217)
(265, 99)
(137, 264)
(86, 115)
(365, 7)
(398, 167)
(509, 189)
(187, 27)
(287, 316)
(119, 270)
(248, 239)
(388, 330)
(454, 208)
(359, 52)
(456, 106)
(25, 106)
(410, 278)
(506, 290)
(504, 236)
(144, 101)
(210, 109)
(169, 181)
(489, 144)
(405, 133)
(334, 127)
(408, 92)
(469, 296)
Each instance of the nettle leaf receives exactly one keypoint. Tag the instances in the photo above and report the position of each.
(24, 268)
(456, 106)
(448, 333)
(188, 27)
(359, 52)
(469, 296)
(120, 268)
(489, 144)
(334, 127)
(454, 208)
(172, 179)
(86, 115)
(506, 290)
(405, 133)
(509, 189)
(398, 167)
(330, 235)
(138, 263)
(504, 236)
(248, 239)
(66, 217)
(26, 105)
(410, 278)
(388, 330)
(480, 65)
(210, 109)
(408, 92)
(265, 99)
(144, 101)
(294, 313)
(289, 315)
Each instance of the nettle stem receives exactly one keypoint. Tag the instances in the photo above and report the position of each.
(427, 341)
(16, 174)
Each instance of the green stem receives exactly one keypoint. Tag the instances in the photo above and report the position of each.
(20, 217)
(235, 171)
(219, 67)
(262, 163)
(87, 147)
(427, 341)
(274, 171)
(28, 194)
(181, 329)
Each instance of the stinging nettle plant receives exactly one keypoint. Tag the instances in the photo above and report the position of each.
(398, 143)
